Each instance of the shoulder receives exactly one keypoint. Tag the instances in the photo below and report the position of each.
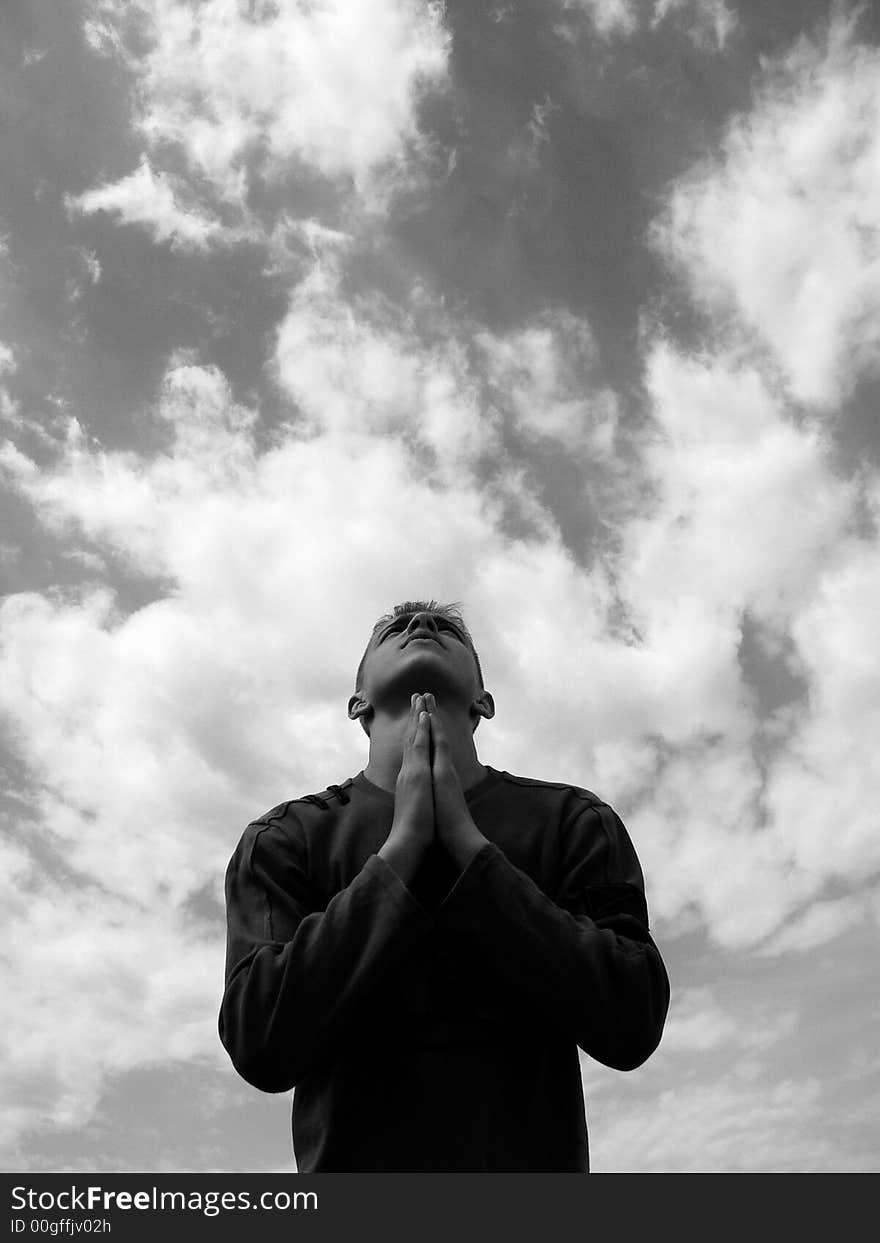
(584, 816)
(289, 820)
(575, 800)
(560, 787)
(302, 805)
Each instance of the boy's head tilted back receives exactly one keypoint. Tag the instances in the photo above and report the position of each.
(436, 660)
(404, 614)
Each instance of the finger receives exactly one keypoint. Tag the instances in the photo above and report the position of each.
(410, 731)
(441, 755)
(422, 732)
(438, 731)
(421, 748)
(416, 705)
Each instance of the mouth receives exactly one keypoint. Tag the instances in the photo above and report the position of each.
(422, 638)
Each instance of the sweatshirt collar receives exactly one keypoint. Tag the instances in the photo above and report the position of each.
(491, 778)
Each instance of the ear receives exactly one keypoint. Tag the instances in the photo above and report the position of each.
(359, 709)
(483, 706)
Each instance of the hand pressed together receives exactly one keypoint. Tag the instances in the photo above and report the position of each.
(412, 829)
(455, 827)
(429, 803)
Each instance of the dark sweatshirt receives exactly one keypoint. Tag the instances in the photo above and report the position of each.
(435, 1027)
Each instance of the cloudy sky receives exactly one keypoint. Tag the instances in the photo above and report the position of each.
(568, 310)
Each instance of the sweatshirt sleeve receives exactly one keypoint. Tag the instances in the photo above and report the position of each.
(295, 974)
(587, 961)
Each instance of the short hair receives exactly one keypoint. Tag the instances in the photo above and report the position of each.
(409, 608)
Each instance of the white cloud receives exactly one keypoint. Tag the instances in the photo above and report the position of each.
(148, 198)
(820, 923)
(820, 792)
(708, 23)
(748, 507)
(746, 515)
(334, 84)
(607, 16)
(697, 1023)
(781, 229)
(91, 263)
(703, 842)
(9, 407)
(701, 1024)
(100, 33)
(32, 56)
(86, 964)
(363, 368)
(729, 1125)
(741, 513)
(545, 372)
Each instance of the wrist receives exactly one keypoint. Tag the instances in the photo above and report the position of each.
(403, 854)
(463, 842)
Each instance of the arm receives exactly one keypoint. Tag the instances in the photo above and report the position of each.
(296, 974)
(586, 962)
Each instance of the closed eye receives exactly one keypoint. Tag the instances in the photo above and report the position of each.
(394, 628)
(441, 623)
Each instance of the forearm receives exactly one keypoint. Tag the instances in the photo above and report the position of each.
(608, 990)
(287, 1002)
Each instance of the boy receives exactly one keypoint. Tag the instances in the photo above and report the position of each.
(421, 949)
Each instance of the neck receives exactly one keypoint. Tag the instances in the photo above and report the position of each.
(387, 735)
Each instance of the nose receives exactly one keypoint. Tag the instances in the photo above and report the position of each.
(422, 621)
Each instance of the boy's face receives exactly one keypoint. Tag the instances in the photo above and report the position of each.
(423, 651)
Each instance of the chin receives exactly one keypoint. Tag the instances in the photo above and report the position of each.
(426, 673)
